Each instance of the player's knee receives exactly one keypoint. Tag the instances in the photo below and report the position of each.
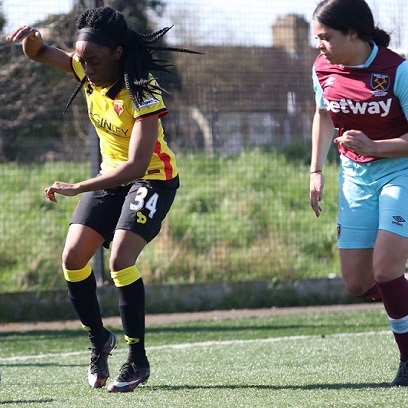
(117, 263)
(387, 274)
(356, 288)
(67, 260)
(73, 260)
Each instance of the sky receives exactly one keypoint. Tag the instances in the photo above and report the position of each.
(244, 22)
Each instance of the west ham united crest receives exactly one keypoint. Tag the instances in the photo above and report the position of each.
(380, 83)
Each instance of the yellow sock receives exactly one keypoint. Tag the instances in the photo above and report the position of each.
(77, 275)
(126, 276)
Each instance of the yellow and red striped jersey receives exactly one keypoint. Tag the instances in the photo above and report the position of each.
(114, 117)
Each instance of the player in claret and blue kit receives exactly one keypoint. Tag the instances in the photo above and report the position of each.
(361, 89)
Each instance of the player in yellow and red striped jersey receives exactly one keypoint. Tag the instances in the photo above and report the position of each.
(127, 202)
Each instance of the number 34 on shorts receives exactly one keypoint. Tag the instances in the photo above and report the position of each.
(140, 202)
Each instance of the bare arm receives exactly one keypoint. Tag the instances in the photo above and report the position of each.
(35, 49)
(141, 147)
(322, 136)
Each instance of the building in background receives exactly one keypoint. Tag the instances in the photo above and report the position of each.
(237, 97)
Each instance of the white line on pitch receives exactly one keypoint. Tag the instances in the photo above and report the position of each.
(202, 344)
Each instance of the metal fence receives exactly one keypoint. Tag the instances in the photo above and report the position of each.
(244, 106)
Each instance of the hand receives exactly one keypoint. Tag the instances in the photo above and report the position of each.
(31, 39)
(356, 141)
(316, 192)
(21, 33)
(62, 188)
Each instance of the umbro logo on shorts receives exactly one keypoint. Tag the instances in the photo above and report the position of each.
(398, 220)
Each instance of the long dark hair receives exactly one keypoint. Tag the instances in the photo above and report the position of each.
(345, 15)
(138, 51)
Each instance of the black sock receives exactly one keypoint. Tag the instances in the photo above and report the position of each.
(83, 297)
(132, 312)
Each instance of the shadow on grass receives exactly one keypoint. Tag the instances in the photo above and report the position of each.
(41, 401)
(36, 364)
(43, 333)
(304, 328)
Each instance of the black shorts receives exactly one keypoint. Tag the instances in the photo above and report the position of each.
(139, 207)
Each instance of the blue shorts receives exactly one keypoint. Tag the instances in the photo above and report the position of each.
(373, 196)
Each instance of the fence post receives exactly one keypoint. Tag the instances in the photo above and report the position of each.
(99, 268)
(98, 264)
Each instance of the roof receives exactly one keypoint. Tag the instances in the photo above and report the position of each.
(231, 79)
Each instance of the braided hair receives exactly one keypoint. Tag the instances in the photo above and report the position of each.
(138, 51)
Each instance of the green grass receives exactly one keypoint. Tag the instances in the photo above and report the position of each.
(243, 217)
(331, 359)
(32, 230)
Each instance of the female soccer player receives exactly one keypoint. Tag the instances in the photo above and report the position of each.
(127, 202)
(362, 91)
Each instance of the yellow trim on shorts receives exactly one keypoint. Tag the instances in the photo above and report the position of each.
(126, 276)
(77, 275)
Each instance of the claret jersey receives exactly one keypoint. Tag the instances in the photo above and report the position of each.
(113, 119)
(372, 98)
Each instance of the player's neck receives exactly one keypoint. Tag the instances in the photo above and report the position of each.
(360, 54)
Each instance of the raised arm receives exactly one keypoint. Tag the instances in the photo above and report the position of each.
(35, 49)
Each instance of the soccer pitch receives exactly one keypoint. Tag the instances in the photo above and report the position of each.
(304, 359)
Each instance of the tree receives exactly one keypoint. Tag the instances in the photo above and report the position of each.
(2, 17)
(33, 96)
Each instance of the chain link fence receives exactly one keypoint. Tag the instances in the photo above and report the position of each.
(239, 122)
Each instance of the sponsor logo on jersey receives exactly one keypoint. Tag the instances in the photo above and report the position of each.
(381, 108)
(102, 123)
(330, 81)
(147, 102)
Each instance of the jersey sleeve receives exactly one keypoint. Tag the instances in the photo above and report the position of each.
(151, 105)
(401, 86)
(318, 90)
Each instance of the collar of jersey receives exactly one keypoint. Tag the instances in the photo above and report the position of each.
(113, 91)
(115, 88)
(369, 60)
(372, 55)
